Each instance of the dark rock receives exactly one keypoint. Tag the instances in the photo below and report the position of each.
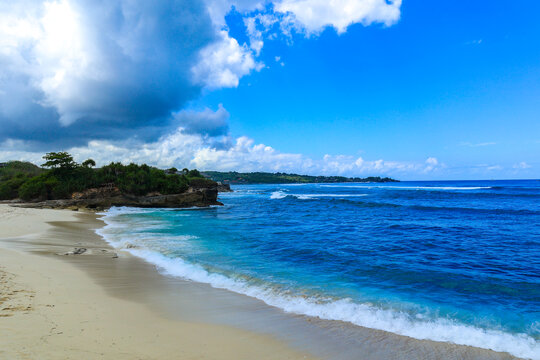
(100, 200)
(79, 251)
(107, 190)
(224, 187)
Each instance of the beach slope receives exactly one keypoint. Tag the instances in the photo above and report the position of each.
(51, 309)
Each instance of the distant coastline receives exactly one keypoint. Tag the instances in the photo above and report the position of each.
(62, 183)
(233, 177)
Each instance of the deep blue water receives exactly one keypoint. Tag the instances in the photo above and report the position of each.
(447, 261)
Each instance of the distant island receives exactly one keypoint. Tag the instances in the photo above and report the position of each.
(63, 183)
(233, 177)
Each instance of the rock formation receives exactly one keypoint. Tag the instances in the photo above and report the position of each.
(106, 197)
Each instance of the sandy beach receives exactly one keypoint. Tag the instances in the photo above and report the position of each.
(51, 309)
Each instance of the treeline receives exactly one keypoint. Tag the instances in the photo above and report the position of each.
(60, 176)
(234, 177)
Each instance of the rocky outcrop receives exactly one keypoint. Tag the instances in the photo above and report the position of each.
(224, 187)
(105, 191)
(102, 198)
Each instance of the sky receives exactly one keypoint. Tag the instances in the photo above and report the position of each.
(411, 89)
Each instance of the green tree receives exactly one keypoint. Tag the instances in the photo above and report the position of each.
(89, 163)
(194, 173)
(59, 160)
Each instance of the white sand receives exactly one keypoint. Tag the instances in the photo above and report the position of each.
(50, 309)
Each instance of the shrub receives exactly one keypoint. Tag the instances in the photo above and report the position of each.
(33, 189)
(200, 182)
(9, 189)
(194, 173)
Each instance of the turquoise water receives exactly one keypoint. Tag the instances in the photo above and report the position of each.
(447, 261)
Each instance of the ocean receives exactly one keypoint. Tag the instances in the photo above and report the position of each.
(449, 261)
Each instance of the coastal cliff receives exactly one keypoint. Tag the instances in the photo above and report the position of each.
(101, 199)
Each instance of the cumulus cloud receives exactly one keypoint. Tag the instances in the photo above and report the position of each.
(223, 63)
(310, 16)
(313, 16)
(280, 18)
(77, 67)
(182, 148)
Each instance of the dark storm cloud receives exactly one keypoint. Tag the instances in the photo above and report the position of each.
(206, 123)
(117, 67)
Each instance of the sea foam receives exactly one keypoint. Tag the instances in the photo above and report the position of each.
(411, 187)
(282, 195)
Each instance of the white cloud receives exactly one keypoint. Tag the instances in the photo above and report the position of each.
(310, 16)
(474, 42)
(255, 35)
(267, 19)
(522, 166)
(315, 15)
(218, 9)
(431, 164)
(245, 155)
(223, 63)
(192, 150)
(432, 161)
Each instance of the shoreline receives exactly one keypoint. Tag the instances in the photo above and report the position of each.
(52, 309)
(177, 303)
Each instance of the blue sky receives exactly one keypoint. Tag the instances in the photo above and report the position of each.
(413, 90)
(456, 80)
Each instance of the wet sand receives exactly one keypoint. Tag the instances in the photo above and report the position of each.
(100, 301)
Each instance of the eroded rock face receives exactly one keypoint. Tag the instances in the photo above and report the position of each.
(99, 199)
(224, 187)
(97, 193)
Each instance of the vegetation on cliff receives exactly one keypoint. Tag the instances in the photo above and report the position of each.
(282, 178)
(63, 177)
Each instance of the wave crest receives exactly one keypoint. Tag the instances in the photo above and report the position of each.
(282, 195)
